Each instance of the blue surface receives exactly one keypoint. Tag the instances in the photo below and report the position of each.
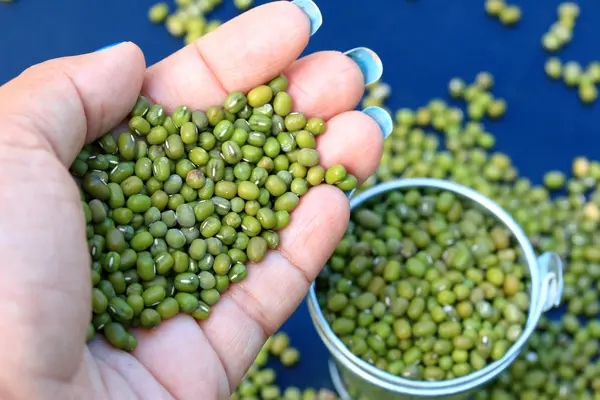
(422, 43)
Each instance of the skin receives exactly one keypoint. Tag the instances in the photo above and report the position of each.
(47, 114)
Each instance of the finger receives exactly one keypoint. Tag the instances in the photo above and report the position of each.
(243, 53)
(59, 104)
(47, 113)
(327, 83)
(322, 84)
(257, 306)
(355, 140)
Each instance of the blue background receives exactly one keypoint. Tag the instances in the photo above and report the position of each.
(423, 43)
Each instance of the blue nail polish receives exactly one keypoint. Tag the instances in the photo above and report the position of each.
(369, 62)
(109, 46)
(383, 119)
(314, 14)
(350, 194)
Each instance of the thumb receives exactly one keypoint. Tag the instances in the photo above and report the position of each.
(60, 104)
(46, 114)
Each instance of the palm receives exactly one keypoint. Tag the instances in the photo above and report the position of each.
(45, 294)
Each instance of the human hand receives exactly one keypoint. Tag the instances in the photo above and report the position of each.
(48, 113)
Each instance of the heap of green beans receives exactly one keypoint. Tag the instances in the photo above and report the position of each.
(259, 383)
(178, 205)
(563, 215)
(425, 286)
(189, 19)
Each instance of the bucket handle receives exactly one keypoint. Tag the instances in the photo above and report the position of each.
(550, 268)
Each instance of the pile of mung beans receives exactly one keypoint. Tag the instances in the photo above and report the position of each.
(178, 205)
(563, 215)
(426, 286)
(260, 380)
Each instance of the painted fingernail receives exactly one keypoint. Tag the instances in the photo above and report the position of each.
(109, 46)
(383, 119)
(369, 62)
(350, 194)
(314, 14)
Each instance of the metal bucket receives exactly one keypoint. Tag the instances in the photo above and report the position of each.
(356, 379)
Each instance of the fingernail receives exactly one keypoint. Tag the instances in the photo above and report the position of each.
(314, 14)
(369, 63)
(383, 119)
(109, 46)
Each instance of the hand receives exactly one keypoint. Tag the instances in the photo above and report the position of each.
(48, 113)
